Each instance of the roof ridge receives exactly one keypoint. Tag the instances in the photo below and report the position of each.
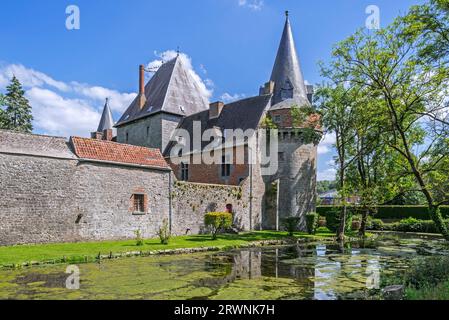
(115, 143)
(33, 134)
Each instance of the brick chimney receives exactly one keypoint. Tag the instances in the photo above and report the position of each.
(142, 98)
(215, 109)
(96, 135)
(108, 135)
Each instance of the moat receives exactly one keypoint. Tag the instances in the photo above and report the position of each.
(318, 271)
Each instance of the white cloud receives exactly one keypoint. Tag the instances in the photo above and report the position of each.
(61, 108)
(203, 69)
(31, 78)
(323, 149)
(56, 115)
(117, 101)
(255, 5)
(327, 143)
(326, 175)
(205, 87)
(3, 81)
(227, 98)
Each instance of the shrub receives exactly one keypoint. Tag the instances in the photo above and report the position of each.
(139, 239)
(291, 224)
(333, 220)
(409, 225)
(375, 224)
(356, 224)
(427, 272)
(312, 222)
(322, 222)
(218, 221)
(164, 232)
(414, 225)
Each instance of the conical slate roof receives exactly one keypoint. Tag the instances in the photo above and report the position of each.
(172, 89)
(106, 121)
(287, 74)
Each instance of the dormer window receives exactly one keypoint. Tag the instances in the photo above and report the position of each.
(287, 90)
(181, 140)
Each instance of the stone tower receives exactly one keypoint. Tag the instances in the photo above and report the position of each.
(106, 130)
(161, 104)
(295, 182)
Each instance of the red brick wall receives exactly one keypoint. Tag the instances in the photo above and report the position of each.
(211, 174)
(286, 118)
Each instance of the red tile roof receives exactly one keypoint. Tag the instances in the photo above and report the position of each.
(116, 152)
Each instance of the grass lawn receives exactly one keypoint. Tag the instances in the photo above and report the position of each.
(13, 255)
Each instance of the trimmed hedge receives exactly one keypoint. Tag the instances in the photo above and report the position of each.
(405, 225)
(393, 212)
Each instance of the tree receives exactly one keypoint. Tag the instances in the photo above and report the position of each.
(409, 90)
(367, 173)
(429, 24)
(336, 105)
(2, 112)
(326, 186)
(17, 115)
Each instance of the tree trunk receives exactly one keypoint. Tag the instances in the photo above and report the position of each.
(342, 227)
(436, 216)
(434, 211)
(365, 214)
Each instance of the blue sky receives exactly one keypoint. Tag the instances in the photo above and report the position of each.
(231, 43)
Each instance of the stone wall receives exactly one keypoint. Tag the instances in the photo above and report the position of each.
(47, 200)
(297, 177)
(36, 200)
(106, 204)
(150, 132)
(191, 201)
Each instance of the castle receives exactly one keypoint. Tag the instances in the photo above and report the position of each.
(147, 168)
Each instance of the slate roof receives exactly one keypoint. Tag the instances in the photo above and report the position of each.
(106, 121)
(172, 89)
(287, 74)
(35, 145)
(244, 114)
(91, 149)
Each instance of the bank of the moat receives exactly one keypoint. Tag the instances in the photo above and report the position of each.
(316, 270)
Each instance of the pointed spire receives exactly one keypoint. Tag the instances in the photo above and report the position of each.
(106, 122)
(287, 74)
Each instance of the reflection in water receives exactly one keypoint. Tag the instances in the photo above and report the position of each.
(321, 271)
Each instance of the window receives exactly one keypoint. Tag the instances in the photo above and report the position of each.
(184, 171)
(148, 132)
(281, 156)
(277, 119)
(127, 137)
(225, 167)
(139, 203)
